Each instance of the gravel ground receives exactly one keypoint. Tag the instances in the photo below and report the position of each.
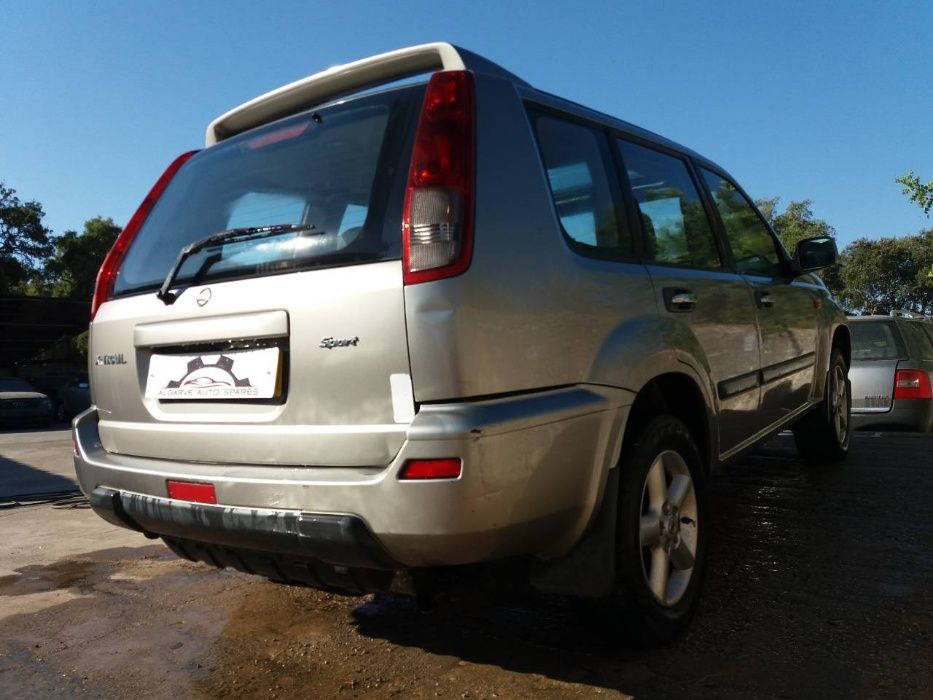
(820, 583)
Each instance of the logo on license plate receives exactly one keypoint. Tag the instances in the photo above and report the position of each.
(215, 380)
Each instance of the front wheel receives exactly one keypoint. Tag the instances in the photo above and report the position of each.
(662, 531)
(823, 434)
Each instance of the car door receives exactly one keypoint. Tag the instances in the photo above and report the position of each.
(787, 305)
(709, 308)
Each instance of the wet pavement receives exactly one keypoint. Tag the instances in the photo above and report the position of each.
(820, 583)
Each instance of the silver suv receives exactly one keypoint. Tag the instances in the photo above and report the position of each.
(379, 328)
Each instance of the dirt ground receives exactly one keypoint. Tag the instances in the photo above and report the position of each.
(820, 584)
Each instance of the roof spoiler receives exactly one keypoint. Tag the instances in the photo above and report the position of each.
(349, 77)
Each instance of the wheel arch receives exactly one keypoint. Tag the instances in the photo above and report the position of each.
(842, 339)
(678, 394)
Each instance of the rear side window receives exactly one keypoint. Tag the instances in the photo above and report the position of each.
(928, 329)
(340, 168)
(921, 347)
(575, 159)
(676, 229)
(876, 340)
(753, 247)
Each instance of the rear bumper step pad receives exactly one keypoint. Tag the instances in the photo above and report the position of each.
(341, 540)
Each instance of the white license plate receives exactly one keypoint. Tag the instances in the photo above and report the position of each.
(240, 374)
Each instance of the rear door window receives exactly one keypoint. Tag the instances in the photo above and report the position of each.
(340, 168)
(674, 222)
(754, 248)
(578, 172)
(876, 340)
(928, 329)
(921, 347)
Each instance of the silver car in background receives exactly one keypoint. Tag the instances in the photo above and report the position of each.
(379, 331)
(892, 367)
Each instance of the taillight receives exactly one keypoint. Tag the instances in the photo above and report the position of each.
(447, 468)
(110, 268)
(437, 226)
(912, 384)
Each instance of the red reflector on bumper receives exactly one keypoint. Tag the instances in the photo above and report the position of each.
(192, 491)
(431, 469)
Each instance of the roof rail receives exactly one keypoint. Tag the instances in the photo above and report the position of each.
(349, 77)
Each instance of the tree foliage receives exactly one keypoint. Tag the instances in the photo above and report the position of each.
(72, 269)
(875, 275)
(879, 275)
(916, 191)
(872, 275)
(24, 242)
(795, 223)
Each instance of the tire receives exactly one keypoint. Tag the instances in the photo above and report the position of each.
(60, 413)
(823, 434)
(660, 565)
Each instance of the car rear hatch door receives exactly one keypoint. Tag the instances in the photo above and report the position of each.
(877, 349)
(284, 347)
(872, 385)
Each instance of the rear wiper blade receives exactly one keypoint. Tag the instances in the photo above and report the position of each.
(233, 235)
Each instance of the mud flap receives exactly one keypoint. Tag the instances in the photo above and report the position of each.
(589, 569)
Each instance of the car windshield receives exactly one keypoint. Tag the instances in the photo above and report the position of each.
(13, 384)
(876, 340)
(338, 171)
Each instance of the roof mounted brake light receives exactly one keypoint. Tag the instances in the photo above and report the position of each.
(107, 275)
(279, 135)
(437, 226)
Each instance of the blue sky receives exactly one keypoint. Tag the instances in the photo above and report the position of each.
(825, 100)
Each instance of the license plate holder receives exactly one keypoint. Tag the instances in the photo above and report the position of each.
(228, 376)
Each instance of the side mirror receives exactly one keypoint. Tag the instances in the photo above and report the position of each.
(815, 253)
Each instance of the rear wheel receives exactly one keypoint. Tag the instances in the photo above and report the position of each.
(823, 434)
(662, 531)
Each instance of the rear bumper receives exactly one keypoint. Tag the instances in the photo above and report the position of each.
(906, 414)
(342, 540)
(533, 471)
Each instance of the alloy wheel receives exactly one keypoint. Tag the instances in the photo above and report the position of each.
(668, 528)
(839, 405)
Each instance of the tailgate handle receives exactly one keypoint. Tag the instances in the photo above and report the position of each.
(263, 324)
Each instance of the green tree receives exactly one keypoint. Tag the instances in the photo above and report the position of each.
(72, 270)
(24, 242)
(795, 223)
(888, 273)
(920, 248)
(916, 191)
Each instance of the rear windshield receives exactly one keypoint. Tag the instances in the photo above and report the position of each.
(340, 168)
(876, 340)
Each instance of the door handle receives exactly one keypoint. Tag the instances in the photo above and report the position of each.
(679, 300)
(764, 299)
